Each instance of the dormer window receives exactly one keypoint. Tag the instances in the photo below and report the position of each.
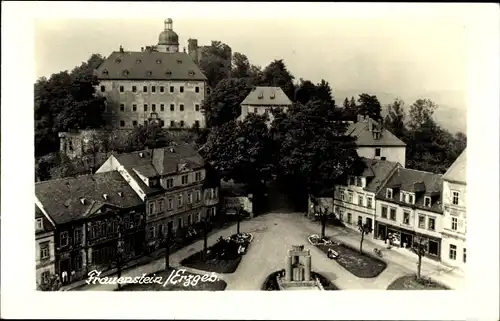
(118, 60)
(39, 224)
(359, 181)
(105, 72)
(138, 61)
(410, 198)
(120, 194)
(168, 73)
(82, 200)
(158, 61)
(388, 193)
(261, 95)
(179, 61)
(125, 72)
(150, 72)
(105, 196)
(427, 201)
(191, 73)
(272, 96)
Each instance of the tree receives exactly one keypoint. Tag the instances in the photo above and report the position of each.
(93, 147)
(150, 135)
(321, 214)
(395, 119)
(215, 62)
(421, 112)
(241, 66)
(243, 152)
(223, 103)
(305, 92)
(314, 152)
(53, 284)
(352, 104)
(346, 104)
(324, 92)
(419, 247)
(167, 240)
(369, 106)
(206, 229)
(363, 229)
(67, 168)
(120, 248)
(276, 74)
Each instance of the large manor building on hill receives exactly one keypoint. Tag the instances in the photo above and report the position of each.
(157, 84)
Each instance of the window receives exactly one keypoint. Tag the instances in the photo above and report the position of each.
(172, 107)
(197, 107)
(171, 89)
(453, 252)
(198, 196)
(39, 224)
(197, 89)
(181, 89)
(122, 123)
(197, 123)
(162, 89)
(134, 123)
(197, 176)
(160, 205)
(162, 107)
(360, 220)
(122, 107)
(465, 255)
(172, 123)
(44, 250)
(170, 204)
(431, 224)
(213, 211)
(349, 218)
(360, 200)
(181, 107)
(190, 198)
(181, 123)
(145, 107)
(189, 220)
(393, 214)
(153, 89)
(63, 241)
(377, 152)
(153, 107)
(134, 107)
(456, 195)
(433, 248)
(369, 203)
(151, 208)
(103, 89)
(212, 194)
(410, 198)
(170, 182)
(384, 212)
(454, 223)
(121, 89)
(160, 229)
(198, 217)
(349, 197)
(152, 232)
(184, 179)
(179, 200)
(427, 201)
(145, 89)
(421, 221)
(255, 110)
(179, 223)
(342, 195)
(388, 193)
(406, 218)
(359, 182)
(78, 236)
(134, 89)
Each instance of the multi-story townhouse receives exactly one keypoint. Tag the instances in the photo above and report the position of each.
(44, 252)
(454, 230)
(354, 204)
(91, 215)
(409, 204)
(163, 85)
(375, 142)
(171, 183)
(261, 100)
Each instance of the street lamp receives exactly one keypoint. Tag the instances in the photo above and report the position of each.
(167, 247)
(119, 259)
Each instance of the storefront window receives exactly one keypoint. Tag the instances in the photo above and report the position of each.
(433, 248)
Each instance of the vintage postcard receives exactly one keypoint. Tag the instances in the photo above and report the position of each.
(210, 154)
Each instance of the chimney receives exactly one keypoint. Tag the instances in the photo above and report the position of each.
(105, 196)
(261, 95)
(273, 95)
(142, 49)
(370, 124)
(121, 48)
(171, 149)
(82, 200)
(184, 49)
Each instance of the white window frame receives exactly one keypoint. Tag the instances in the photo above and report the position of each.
(386, 211)
(453, 197)
(180, 200)
(454, 223)
(190, 198)
(182, 179)
(39, 224)
(198, 196)
(395, 214)
(198, 217)
(405, 213)
(342, 195)
(453, 249)
(350, 196)
(152, 231)
(161, 206)
(429, 223)
(78, 232)
(361, 200)
(170, 182)
(427, 201)
(44, 246)
(170, 204)
(151, 208)
(369, 202)
(61, 238)
(419, 225)
(389, 191)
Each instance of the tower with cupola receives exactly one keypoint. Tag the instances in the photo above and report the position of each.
(168, 40)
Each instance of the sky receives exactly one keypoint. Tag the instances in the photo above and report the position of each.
(404, 51)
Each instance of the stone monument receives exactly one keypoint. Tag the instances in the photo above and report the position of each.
(298, 272)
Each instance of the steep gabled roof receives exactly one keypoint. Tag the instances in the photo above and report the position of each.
(365, 137)
(268, 96)
(62, 198)
(377, 172)
(419, 182)
(146, 65)
(458, 170)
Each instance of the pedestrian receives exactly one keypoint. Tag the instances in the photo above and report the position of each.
(64, 276)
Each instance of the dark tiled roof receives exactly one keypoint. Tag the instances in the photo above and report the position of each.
(364, 137)
(61, 198)
(377, 171)
(458, 170)
(264, 96)
(158, 162)
(145, 65)
(411, 180)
